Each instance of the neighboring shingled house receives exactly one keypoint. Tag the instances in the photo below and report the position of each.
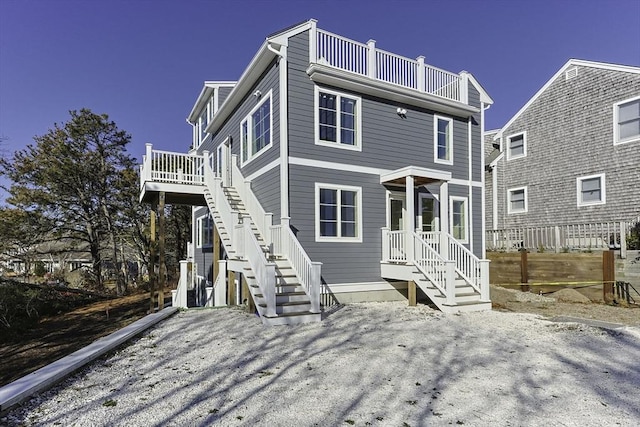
(333, 167)
(571, 155)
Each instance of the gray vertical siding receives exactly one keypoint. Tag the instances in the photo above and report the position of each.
(223, 92)
(570, 134)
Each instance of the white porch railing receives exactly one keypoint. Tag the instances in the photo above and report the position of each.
(261, 219)
(558, 238)
(165, 166)
(366, 60)
(438, 270)
(308, 272)
(394, 245)
(473, 270)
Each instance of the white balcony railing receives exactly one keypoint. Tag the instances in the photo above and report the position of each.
(366, 60)
(170, 167)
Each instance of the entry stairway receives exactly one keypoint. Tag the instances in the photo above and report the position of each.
(453, 278)
(292, 303)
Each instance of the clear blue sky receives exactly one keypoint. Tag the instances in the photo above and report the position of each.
(143, 62)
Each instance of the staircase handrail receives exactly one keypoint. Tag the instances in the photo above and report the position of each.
(228, 216)
(265, 272)
(307, 272)
(471, 268)
(435, 268)
(263, 220)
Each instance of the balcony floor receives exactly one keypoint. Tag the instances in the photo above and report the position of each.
(175, 194)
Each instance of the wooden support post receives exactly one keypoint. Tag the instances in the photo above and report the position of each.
(231, 296)
(162, 282)
(608, 275)
(524, 273)
(152, 257)
(412, 297)
(251, 306)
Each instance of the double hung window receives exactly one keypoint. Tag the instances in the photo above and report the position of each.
(338, 213)
(255, 130)
(626, 121)
(517, 200)
(591, 190)
(443, 140)
(460, 219)
(516, 146)
(337, 119)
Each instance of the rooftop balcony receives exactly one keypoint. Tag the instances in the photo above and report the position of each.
(366, 60)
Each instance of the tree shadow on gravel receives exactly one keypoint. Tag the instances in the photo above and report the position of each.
(384, 364)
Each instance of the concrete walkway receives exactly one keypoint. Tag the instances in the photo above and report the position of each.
(17, 391)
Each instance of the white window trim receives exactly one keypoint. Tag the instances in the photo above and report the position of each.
(616, 130)
(359, 219)
(265, 98)
(358, 146)
(526, 200)
(199, 227)
(603, 192)
(466, 216)
(435, 140)
(524, 145)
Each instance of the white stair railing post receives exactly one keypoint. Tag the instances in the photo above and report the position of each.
(220, 286)
(314, 286)
(181, 297)
(285, 226)
(450, 282)
(238, 235)
(385, 244)
(485, 293)
(623, 240)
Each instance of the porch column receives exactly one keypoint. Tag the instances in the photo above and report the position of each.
(410, 218)
(444, 220)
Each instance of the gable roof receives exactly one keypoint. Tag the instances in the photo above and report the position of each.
(568, 64)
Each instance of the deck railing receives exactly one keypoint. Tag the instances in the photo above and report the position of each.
(394, 245)
(307, 272)
(166, 166)
(559, 238)
(366, 60)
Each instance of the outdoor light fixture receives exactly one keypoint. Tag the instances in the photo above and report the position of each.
(402, 112)
(257, 94)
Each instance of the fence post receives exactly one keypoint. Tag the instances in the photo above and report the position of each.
(608, 275)
(557, 238)
(524, 273)
(623, 239)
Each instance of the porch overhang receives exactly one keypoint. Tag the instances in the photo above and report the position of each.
(420, 175)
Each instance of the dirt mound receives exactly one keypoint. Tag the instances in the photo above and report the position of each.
(570, 295)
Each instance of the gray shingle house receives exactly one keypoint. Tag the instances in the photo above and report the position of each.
(571, 154)
(333, 171)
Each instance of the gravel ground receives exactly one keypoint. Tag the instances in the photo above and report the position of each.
(366, 364)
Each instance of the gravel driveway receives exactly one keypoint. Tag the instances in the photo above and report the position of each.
(380, 364)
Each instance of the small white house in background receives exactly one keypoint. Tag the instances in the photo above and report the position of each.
(332, 170)
(569, 156)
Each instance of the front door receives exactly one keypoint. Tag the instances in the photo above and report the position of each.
(396, 211)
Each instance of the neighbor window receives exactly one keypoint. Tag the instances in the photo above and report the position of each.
(204, 237)
(337, 119)
(516, 146)
(591, 190)
(626, 121)
(517, 200)
(255, 130)
(443, 140)
(459, 219)
(338, 213)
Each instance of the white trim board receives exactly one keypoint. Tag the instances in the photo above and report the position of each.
(339, 288)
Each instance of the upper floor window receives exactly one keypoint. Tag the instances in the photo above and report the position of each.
(517, 200)
(338, 213)
(626, 121)
(203, 121)
(443, 140)
(255, 130)
(517, 146)
(459, 219)
(591, 190)
(338, 119)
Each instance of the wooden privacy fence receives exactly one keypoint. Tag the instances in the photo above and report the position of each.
(569, 269)
(563, 238)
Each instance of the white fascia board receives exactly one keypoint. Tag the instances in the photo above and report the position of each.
(205, 94)
(569, 63)
(484, 96)
(434, 174)
(334, 77)
(254, 70)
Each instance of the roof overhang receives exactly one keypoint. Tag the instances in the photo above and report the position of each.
(420, 175)
(204, 96)
(334, 77)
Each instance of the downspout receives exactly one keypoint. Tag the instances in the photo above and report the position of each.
(483, 108)
(284, 133)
